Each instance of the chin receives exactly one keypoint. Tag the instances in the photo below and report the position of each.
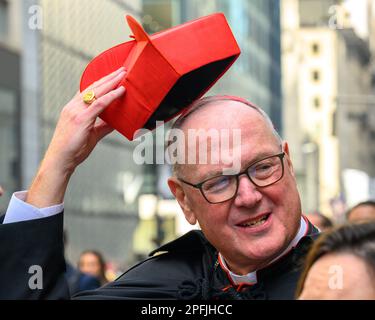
(266, 250)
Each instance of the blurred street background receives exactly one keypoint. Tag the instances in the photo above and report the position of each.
(308, 63)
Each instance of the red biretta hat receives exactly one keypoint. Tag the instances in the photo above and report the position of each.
(166, 71)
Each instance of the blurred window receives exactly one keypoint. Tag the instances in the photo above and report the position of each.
(315, 48)
(317, 102)
(334, 123)
(8, 144)
(316, 75)
(3, 19)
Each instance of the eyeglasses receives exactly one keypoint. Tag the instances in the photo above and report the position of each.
(261, 173)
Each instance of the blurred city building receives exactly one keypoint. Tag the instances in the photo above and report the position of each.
(10, 101)
(328, 100)
(44, 48)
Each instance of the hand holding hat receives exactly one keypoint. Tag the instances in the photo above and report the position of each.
(77, 132)
(167, 71)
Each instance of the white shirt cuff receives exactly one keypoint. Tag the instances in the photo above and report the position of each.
(18, 210)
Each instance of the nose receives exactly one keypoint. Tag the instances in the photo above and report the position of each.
(247, 194)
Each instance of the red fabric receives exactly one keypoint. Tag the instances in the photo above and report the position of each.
(156, 63)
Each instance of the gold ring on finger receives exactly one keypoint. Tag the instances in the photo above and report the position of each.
(89, 97)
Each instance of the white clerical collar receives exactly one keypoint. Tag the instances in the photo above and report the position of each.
(251, 278)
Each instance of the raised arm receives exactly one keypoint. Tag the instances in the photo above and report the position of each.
(35, 242)
(77, 132)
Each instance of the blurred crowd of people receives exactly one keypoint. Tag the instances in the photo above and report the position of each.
(361, 212)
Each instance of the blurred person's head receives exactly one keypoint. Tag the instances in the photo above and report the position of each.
(93, 263)
(1, 190)
(362, 212)
(249, 218)
(341, 265)
(319, 220)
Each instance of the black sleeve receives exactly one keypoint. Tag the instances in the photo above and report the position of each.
(26, 248)
(40, 242)
(159, 277)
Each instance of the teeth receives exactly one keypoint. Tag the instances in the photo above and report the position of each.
(255, 223)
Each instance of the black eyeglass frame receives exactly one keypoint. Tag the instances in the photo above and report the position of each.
(246, 171)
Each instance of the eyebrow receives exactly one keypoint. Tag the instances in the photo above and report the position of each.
(219, 172)
(260, 156)
(212, 174)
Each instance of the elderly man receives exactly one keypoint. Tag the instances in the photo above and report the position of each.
(253, 233)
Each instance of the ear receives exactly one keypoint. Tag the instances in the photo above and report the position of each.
(289, 161)
(180, 195)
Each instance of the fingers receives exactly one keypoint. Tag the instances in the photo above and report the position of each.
(108, 85)
(106, 92)
(105, 79)
(105, 85)
(98, 106)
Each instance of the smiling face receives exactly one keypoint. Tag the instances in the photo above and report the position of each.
(228, 225)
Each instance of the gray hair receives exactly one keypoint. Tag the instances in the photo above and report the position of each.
(199, 104)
